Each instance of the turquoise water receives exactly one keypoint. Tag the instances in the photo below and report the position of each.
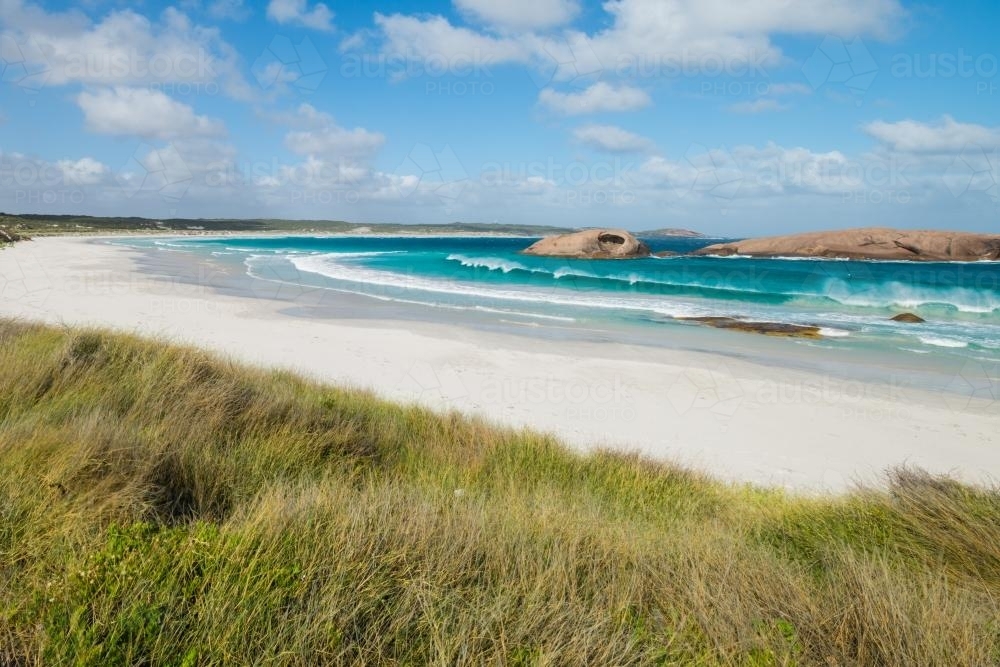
(851, 301)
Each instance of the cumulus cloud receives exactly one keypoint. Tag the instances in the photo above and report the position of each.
(234, 10)
(143, 112)
(124, 48)
(611, 139)
(520, 14)
(841, 17)
(319, 134)
(32, 183)
(760, 172)
(435, 37)
(944, 136)
(599, 97)
(85, 171)
(645, 37)
(661, 35)
(298, 12)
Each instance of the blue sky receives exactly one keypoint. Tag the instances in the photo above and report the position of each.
(734, 118)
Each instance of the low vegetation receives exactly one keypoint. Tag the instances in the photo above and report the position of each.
(43, 224)
(161, 506)
(9, 237)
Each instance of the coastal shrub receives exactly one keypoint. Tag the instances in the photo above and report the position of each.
(159, 505)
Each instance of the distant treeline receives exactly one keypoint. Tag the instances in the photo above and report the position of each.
(42, 224)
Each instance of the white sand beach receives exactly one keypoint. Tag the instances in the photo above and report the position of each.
(732, 418)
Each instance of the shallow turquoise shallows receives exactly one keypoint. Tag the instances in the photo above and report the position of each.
(852, 301)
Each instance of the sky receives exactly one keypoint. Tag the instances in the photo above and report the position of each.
(733, 118)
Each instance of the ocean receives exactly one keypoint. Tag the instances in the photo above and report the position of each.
(851, 301)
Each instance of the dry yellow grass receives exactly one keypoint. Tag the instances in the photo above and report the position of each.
(161, 506)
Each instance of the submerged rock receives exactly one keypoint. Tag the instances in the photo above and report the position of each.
(868, 243)
(909, 318)
(766, 328)
(591, 244)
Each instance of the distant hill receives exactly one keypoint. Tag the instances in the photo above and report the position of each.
(670, 232)
(42, 224)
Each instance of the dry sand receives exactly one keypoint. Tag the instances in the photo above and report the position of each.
(734, 419)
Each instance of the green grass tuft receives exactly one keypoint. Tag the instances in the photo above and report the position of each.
(161, 506)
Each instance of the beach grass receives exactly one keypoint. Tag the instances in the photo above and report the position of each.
(159, 505)
(8, 237)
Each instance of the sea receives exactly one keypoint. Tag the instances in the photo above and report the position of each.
(852, 302)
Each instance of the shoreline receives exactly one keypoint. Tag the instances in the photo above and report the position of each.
(733, 418)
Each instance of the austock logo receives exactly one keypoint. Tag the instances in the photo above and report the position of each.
(162, 171)
(574, 63)
(439, 173)
(976, 386)
(714, 389)
(23, 64)
(975, 170)
(284, 63)
(439, 385)
(847, 64)
(713, 172)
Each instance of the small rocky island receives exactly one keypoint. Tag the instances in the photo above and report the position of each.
(591, 244)
(868, 243)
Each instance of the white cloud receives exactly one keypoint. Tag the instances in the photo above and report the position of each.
(143, 112)
(122, 48)
(436, 37)
(234, 10)
(776, 171)
(599, 97)
(705, 35)
(321, 136)
(759, 105)
(520, 14)
(85, 171)
(646, 38)
(612, 139)
(32, 178)
(297, 12)
(355, 41)
(945, 136)
(840, 17)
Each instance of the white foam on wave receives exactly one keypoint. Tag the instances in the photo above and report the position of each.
(900, 295)
(567, 272)
(361, 253)
(830, 332)
(537, 316)
(942, 342)
(165, 245)
(406, 287)
(381, 297)
(327, 265)
(272, 252)
(633, 278)
(491, 263)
